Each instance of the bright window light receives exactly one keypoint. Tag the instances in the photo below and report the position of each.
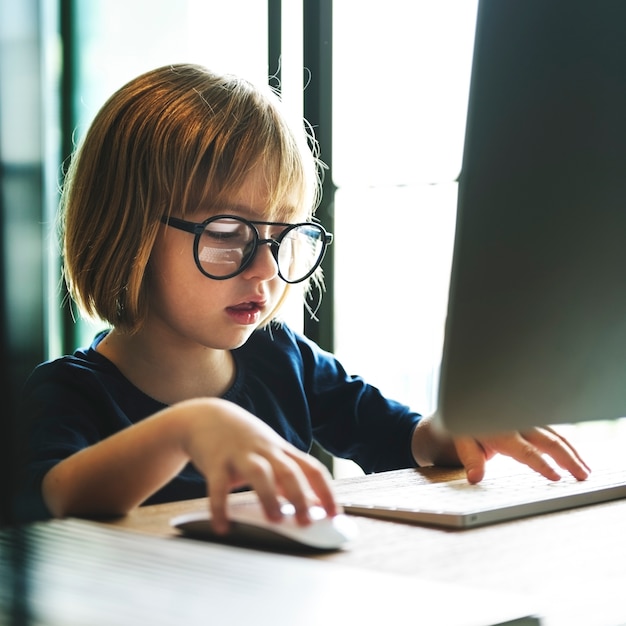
(401, 78)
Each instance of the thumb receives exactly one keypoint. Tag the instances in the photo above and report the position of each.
(472, 457)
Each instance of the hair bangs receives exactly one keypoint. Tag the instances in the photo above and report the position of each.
(252, 136)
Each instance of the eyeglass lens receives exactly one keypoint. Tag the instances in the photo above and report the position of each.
(228, 244)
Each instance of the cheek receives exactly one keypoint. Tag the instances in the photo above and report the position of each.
(172, 268)
(172, 254)
(179, 294)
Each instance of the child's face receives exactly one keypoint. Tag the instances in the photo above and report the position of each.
(219, 314)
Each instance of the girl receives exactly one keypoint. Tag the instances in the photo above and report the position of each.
(187, 218)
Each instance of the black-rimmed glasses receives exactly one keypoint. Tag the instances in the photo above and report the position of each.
(224, 245)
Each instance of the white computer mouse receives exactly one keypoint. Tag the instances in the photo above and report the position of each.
(250, 527)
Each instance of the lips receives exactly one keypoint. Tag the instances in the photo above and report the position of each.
(247, 306)
(246, 313)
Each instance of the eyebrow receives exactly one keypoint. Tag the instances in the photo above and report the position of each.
(281, 214)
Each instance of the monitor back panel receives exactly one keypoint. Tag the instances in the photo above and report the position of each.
(536, 326)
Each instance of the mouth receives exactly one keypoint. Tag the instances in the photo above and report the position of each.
(247, 307)
(246, 313)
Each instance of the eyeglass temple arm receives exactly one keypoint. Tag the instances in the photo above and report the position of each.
(175, 222)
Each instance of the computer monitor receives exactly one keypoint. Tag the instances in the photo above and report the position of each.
(536, 325)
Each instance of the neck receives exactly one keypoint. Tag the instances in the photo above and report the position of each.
(167, 373)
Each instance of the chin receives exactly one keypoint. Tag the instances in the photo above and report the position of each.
(241, 339)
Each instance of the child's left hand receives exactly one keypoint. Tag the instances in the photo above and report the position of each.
(529, 447)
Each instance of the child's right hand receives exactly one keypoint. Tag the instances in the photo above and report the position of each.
(227, 444)
(233, 448)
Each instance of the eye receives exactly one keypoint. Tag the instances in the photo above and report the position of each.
(226, 231)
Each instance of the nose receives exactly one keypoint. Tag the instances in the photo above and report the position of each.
(264, 265)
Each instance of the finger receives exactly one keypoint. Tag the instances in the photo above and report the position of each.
(321, 481)
(218, 492)
(318, 480)
(255, 472)
(260, 476)
(572, 449)
(550, 442)
(472, 456)
(293, 484)
(524, 451)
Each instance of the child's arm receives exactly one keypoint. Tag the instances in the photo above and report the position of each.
(431, 447)
(228, 445)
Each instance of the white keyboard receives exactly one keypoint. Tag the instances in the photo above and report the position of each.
(459, 504)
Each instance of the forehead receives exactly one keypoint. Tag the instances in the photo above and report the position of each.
(257, 199)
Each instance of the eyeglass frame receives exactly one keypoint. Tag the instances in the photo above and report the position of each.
(197, 228)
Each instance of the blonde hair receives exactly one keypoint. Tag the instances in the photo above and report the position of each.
(169, 141)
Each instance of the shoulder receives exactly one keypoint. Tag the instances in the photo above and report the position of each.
(83, 387)
(82, 381)
(82, 364)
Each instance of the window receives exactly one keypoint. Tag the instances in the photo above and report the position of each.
(400, 85)
(399, 111)
(113, 50)
(401, 76)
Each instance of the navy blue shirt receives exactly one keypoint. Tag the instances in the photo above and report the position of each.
(283, 378)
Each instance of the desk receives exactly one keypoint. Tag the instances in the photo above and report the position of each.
(573, 563)
(569, 566)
